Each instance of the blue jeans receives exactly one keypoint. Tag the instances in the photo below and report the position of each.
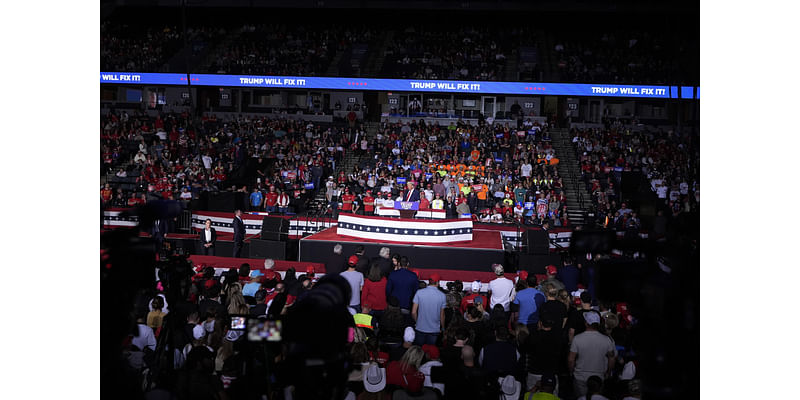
(271, 208)
(423, 338)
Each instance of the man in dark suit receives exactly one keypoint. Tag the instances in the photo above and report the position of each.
(238, 233)
(208, 239)
(412, 194)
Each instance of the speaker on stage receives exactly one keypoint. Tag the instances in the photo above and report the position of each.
(537, 242)
(276, 229)
(267, 249)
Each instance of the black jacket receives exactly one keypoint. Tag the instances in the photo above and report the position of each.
(238, 230)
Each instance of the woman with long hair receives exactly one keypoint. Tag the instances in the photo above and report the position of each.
(374, 291)
(405, 372)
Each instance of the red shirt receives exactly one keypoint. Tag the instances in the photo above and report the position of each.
(413, 379)
(271, 198)
(105, 194)
(374, 294)
(470, 299)
(369, 203)
(424, 203)
(347, 202)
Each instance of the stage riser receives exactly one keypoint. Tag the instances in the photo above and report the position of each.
(420, 256)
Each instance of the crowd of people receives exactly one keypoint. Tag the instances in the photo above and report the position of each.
(443, 52)
(616, 57)
(668, 160)
(282, 49)
(388, 334)
(126, 47)
(166, 158)
(490, 172)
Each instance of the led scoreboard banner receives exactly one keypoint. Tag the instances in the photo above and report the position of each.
(405, 85)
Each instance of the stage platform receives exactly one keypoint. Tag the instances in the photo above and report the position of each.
(485, 249)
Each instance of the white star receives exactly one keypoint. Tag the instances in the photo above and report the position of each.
(416, 232)
(435, 232)
(395, 231)
(426, 232)
(405, 231)
(369, 229)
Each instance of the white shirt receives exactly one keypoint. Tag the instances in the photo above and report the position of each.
(208, 235)
(145, 338)
(526, 169)
(426, 370)
(207, 162)
(502, 292)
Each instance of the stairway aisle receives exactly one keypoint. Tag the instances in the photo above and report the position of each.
(578, 199)
(351, 159)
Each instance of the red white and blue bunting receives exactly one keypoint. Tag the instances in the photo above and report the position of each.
(405, 231)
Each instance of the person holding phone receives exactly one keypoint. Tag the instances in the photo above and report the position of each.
(208, 238)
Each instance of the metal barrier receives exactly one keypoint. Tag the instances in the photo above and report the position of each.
(185, 221)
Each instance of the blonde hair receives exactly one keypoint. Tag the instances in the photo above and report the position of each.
(412, 357)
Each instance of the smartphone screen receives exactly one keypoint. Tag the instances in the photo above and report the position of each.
(262, 330)
(238, 323)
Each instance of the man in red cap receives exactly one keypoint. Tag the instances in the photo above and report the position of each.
(428, 312)
(356, 281)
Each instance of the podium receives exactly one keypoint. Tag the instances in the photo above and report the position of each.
(407, 209)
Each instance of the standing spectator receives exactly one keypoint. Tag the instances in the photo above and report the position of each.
(356, 281)
(543, 351)
(402, 284)
(591, 353)
(594, 386)
(547, 389)
(283, 202)
(384, 261)
(428, 312)
(475, 288)
(374, 292)
(405, 373)
(238, 233)
(254, 285)
(529, 300)
(208, 238)
(569, 275)
(552, 308)
(145, 339)
(433, 361)
(271, 200)
(335, 264)
(501, 289)
(106, 193)
(501, 356)
(256, 200)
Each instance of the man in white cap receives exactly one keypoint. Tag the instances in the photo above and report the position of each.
(501, 289)
(475, 289)
(591, 353)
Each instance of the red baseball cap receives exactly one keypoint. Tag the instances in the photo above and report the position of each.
(353, 260)
(551, 269)
(431, 350)
(435, 277)
(310, 270)
(523, 275)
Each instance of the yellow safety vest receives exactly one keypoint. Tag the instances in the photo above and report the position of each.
(363, 320)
